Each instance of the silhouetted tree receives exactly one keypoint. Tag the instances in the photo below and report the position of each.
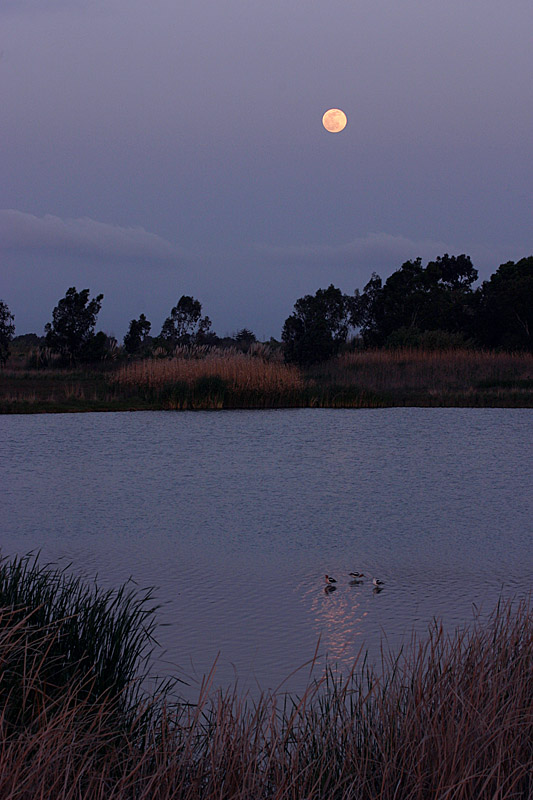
(185, 325)
(244, 338)
(136, 335)
(318, 326)
(366, 308)
(505, 312)
(415, 299)
(7, 331)
(99, 348)
(71, 332)
(454, 272)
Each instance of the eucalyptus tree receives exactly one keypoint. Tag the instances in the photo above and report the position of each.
(71, 332)
(416, 299)
(185, 324)
(505, 312)
(318, 326)
(136, 335)
(7, 331)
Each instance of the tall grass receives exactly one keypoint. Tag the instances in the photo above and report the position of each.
(450, 718)
(218, 379)
(406, 373)
(101, 640)
(207, 377)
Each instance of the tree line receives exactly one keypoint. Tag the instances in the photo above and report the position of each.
(71, 333)
(429, 307)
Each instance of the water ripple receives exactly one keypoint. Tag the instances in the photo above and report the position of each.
(236, 516)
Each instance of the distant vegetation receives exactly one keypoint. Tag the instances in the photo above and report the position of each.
(203, 377)
(425, 336)
(432, 307)
(449, 717)
(7, 331)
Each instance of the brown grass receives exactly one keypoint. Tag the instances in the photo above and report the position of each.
(240, 371)
(415, 372)
(214, 378)
(450, 719)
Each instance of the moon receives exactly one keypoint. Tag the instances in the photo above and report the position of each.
(334, 120)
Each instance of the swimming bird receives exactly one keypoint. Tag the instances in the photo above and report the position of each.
(329, 579)
(377, 583)
(357, 574)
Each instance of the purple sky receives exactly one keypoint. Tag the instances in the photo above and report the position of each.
(156, 148)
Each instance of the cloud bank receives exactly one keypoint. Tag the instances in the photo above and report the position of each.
(83, 238)
(374, 249)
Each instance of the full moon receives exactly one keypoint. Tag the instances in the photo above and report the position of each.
(334, 120)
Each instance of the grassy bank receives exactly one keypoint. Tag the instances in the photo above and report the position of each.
(434, 378)
(451, 717)
(215, 379)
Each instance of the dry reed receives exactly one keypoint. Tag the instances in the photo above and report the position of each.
(240, 371)
(450, 719)
(419, 371)
(212, 378)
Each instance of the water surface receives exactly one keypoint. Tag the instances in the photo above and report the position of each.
(237, 515)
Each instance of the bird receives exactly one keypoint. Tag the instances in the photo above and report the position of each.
(329, 579)
(357, 574)
(377, 583)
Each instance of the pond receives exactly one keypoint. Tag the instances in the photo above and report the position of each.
(236, 516)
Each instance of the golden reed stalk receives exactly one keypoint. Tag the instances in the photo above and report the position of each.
(239, 370)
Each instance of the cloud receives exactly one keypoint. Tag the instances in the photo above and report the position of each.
(382, 253)
(372, 250)
(25, 6)
(82, 238)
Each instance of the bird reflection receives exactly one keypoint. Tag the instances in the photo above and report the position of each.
(329, 588)
(356, 582)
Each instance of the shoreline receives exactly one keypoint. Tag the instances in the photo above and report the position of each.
(25, 407)
(221, 381)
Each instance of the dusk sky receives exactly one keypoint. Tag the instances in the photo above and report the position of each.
(154, 148)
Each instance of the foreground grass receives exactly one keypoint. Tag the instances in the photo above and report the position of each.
(451, 717)
(216, 379)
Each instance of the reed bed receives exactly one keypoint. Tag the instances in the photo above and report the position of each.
(52, 387)
(218, 379)
(102, 639)
(403, 372)
(450, 718)
(213, 378)
(238, 370)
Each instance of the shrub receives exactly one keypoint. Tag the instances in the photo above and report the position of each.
(426, 340)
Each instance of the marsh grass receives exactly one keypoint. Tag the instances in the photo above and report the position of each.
(361, 379)
(450, 717)
(447, 377)
(48, 389)
(219, 379)
(101, 641)
(213, 378)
